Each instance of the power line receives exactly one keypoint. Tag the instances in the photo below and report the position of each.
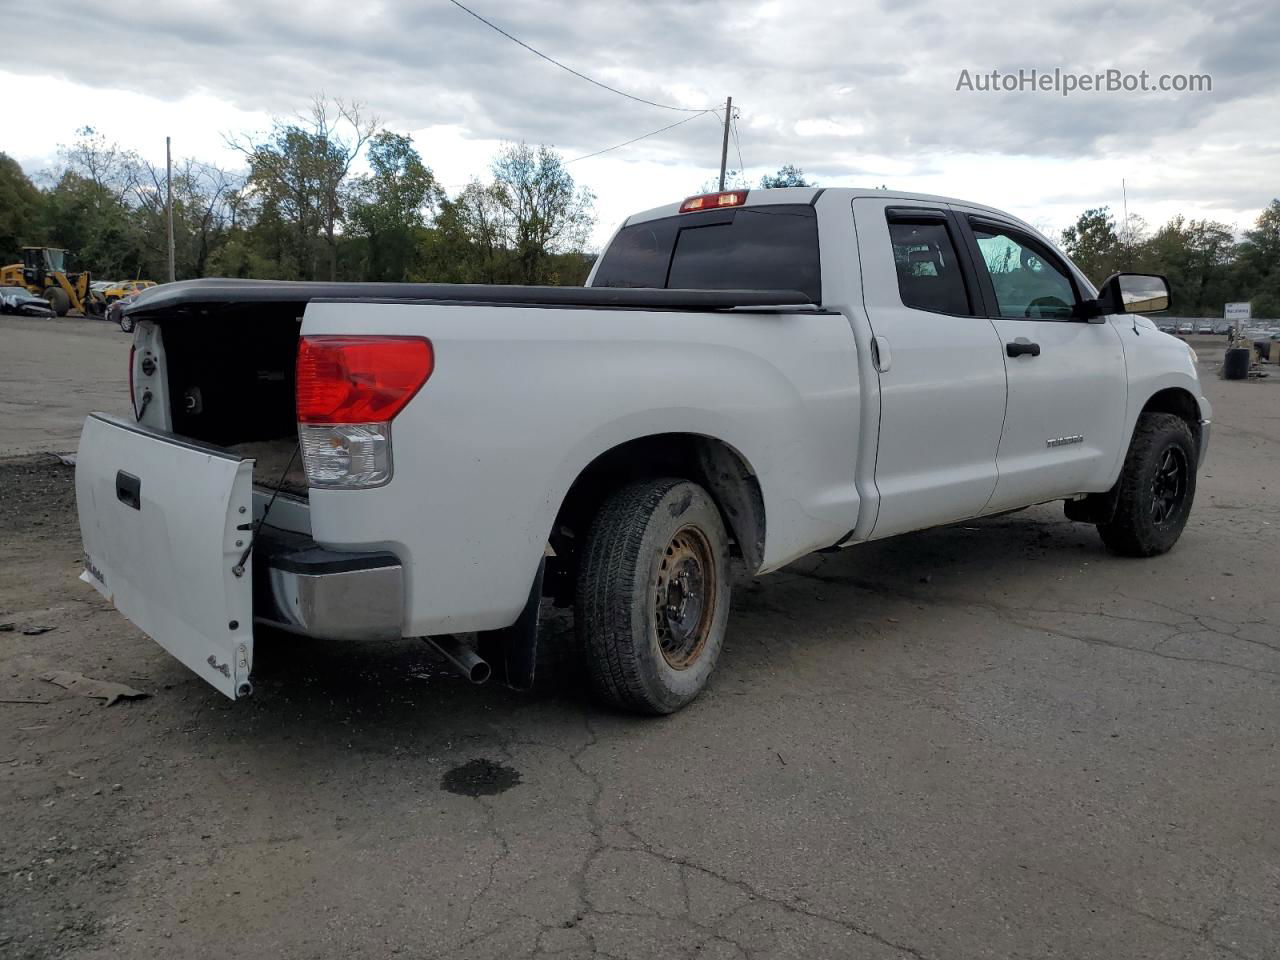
(581, 76)
(643, 136)
(737, 144)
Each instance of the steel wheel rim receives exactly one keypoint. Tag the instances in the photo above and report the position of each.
(1168, 486)
(685, 598)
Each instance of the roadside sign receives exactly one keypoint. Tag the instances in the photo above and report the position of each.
(1236, 311)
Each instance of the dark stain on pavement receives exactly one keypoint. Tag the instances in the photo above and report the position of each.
(480, 778)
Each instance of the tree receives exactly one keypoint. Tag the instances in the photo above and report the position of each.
(21, 206)
(202, 214)
(391, 207)
(1258, 263)
(474, 235)
(545, 212)
(302, 170)
(788, 175)
(1194, 255)
(1093, 244)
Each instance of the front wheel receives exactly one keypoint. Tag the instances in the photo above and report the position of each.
(58, 299)
(126, 323)
(652, 598)
(1156, 488)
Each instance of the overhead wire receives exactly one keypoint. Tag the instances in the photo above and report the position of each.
(737, 144)
(643, 136)
(581, 76)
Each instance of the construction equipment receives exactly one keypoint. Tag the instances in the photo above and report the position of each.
(43, 271)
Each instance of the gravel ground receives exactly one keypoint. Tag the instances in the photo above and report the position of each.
(992, 740)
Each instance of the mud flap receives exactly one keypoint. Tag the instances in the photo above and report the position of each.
(512, 652)
(165, 522)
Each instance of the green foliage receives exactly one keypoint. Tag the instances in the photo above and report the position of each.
(1093, 244)
(20, 210)
(390, 209)
(788, 175)
(1205, 265)
(301, 209)
(523, 227)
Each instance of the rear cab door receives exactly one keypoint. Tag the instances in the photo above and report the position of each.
(939, 362)
(1067, 380)
(166, 524)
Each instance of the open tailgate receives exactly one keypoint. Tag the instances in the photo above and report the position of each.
(164, 521)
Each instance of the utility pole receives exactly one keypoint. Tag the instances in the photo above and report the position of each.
(724, 146)
(168, 203)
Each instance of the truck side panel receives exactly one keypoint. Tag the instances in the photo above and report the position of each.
(522, 399)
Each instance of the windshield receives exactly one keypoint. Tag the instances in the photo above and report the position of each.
(768, 247)
(56, 260)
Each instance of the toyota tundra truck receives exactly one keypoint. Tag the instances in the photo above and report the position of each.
(747, 377)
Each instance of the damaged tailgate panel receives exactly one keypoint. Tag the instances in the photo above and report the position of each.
(165, 521)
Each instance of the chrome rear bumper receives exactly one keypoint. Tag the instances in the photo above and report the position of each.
(304, 588)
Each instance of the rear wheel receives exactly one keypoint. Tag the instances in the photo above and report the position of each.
(652, 598)
(58, 299)
(1156, 488)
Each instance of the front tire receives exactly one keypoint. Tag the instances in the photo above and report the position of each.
(652, 598)
(1156, 488)
(58, 299)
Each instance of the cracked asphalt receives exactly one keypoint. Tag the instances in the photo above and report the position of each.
(991, 740)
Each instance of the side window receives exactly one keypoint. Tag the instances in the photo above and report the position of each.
(929, 276)
(1029, 282)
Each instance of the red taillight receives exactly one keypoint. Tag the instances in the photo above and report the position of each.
(713, 201)
(359, 379)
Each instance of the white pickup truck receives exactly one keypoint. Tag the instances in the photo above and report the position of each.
(753, 374)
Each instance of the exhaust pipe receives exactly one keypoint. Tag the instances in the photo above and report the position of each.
(461, 657)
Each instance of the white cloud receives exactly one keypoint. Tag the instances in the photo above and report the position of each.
(861, 93)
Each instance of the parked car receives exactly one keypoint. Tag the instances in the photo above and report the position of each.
(116, 312)
(18, 301)
(1204, 327)
(744, 375)
(1186, 327)
(125, 288)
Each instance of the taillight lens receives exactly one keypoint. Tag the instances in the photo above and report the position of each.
(359, 379)
(348, 390)
(714, 201)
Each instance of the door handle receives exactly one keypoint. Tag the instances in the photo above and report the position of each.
(1022, 347)
(880, 355)
(129, 490)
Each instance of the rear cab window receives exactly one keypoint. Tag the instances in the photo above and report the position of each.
(924, 256)
(766, 247)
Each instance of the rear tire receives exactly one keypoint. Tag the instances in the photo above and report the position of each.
(652, 597)
(58, 299)
(1156, 488)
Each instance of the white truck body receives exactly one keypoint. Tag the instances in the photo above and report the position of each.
(854, 417)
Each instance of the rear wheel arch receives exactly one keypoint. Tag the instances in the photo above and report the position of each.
(708, 461)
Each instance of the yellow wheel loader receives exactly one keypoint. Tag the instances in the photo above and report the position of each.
(43, 271)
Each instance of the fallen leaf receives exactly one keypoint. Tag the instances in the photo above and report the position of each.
(90, 687)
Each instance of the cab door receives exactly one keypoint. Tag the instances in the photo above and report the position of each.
(940, 366)
(1067, 382)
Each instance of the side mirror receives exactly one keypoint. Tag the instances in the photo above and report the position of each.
(1133, 293)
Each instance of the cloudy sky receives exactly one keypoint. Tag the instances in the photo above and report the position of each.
(860, 93)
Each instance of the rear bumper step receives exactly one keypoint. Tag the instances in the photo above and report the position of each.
(304, 588)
